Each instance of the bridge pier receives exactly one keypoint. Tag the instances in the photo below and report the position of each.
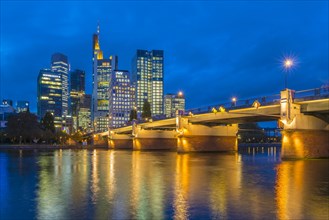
(100, 140)
(201, 138)
(120, 141)
(154, 139)
(303, 136)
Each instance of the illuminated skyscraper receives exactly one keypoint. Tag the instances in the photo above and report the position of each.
(147, 75)
(173, 103)
(122, 96)
(102, 69)
(77, 79)
(60, 65)
(50, 95)
(84, 113)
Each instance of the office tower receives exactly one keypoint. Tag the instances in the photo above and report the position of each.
(84, 114)
(121, 96)
(147, 75)
(50, 95)
(22, 106)
(77, 79)
(7, 102)
(173, 103)
(5, 112)
(60, 65)
(102, 68)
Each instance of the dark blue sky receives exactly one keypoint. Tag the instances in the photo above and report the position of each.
(213, 49)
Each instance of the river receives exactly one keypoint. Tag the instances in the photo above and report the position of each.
(110, 184)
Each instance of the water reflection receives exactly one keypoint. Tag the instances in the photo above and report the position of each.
(302, 190)
(181, 193)
(109, 184)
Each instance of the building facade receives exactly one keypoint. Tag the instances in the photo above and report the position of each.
(84, 114)
(77, 80)
(49, 92)
(174, 102)
(7, 102)
(147, 76)
(102, 68)
(22, 106)
(122, 98)
(60, 65)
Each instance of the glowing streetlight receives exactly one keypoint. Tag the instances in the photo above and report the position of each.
(234, 101)
(180, 93)
(288, 64)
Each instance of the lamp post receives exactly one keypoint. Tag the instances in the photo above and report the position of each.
(234, 101)
(287, 64)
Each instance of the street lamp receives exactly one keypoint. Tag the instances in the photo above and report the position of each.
(234, 101)
(288, 64)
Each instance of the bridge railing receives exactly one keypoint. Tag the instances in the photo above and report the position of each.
(303, 95)
(311, 94)
(244, 103)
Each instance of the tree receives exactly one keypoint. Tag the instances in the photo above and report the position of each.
(146, 112)
(133, 114)
(48, 122)
(23, 127)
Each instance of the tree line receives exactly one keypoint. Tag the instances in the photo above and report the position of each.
(24, 128)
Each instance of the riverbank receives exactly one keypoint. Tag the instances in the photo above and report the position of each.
(51, 147)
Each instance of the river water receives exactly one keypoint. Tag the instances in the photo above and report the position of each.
(109, 184)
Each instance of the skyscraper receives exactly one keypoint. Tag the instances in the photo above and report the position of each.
(77, 80)
(102, 69)
(173, 103)
(122, 96)
(50, 95)
(60, 65)
(84, 113)
(147, 75)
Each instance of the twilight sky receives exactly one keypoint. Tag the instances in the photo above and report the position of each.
(214, 50)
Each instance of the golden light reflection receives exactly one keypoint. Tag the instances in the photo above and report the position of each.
(181, 187)
(94, 176)
(289, 190)
(136, 176)
(111, 177)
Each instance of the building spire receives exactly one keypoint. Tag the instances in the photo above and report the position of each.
(98, 27)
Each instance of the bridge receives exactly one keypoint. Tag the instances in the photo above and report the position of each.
(303, 117)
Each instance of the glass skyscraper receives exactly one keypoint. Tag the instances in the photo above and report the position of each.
(60, 65)
(122, 95)
(77, 80)
(173, 103)
(102, 69)
(147, 75)
(50, 95)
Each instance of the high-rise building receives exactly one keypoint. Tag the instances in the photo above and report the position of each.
(60, 65)
(22, 106)
(102, 68)
(77, 80)
(173, 103)
(50, 95)
(84, 113)
(121, 96)
(147, 75)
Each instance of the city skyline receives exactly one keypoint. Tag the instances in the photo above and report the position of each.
(214, 50)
